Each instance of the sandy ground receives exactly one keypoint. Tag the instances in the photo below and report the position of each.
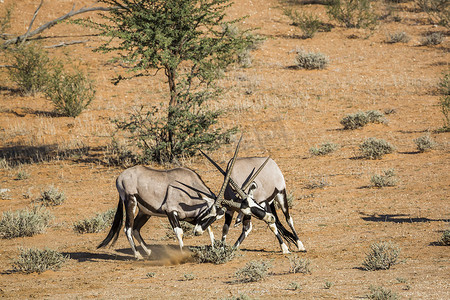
(282, 112)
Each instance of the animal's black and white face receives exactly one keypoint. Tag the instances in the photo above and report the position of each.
(251, 207)
(211, 215)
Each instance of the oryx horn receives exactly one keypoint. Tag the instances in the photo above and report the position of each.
(220, 196)
(256, 174)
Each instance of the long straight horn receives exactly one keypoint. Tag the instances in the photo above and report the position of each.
(220, 196)
(256, 174)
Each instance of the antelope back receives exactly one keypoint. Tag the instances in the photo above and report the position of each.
(270, 179)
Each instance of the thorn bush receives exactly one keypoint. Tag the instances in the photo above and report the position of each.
(36, 260)
(373, 148)
(96, 223)
(51, 197)
(253, 271)
(26, 222)
(382, 256)
(220, 254)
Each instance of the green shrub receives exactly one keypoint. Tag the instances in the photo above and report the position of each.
(373, 148)
(424, 143)
(294, 286)
(438, 10)
(328, 285)
(380, 293)
(361, 119)
(150, 275)
(30, 68)
(311, 60)
(299, 265)
(71, 93)
(353, 13)
(26, 222)
(397, 37)
(22, 175)
(381, 257)
(253, 271)
(323, 149)
(386, 179)
(317, 184)
(444, 103)
(96, 223)
(35, 260)
(445, 238)
(444, 84)
(51, 197)
(434, 38)
(308, 23)
(220, 254)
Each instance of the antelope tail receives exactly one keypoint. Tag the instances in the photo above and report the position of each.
(285, 234)
(115, 228)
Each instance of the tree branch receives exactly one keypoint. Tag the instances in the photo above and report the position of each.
(28, 34)
(32, 21)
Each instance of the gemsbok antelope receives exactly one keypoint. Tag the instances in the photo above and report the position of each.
(268, 186)
(179, 194)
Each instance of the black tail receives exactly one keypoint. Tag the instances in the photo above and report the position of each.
(115, 228)
(285, 234)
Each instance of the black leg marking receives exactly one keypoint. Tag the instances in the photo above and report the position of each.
(246, 228)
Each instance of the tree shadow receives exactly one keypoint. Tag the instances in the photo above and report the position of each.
(397, 218)
(22, 154)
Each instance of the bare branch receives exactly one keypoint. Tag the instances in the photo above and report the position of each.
(50, 24)
(62, 44)
(32, 21)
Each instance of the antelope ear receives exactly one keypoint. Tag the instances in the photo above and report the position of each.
(252, 187)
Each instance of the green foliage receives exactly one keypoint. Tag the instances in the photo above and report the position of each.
(381, 257)
(294, 286)
(353, 13)
(328, 285)
(299, 265)
(373, 148)
(434, 38)
(51, 197)
(309, 23)
(361, 119)
(70, 92)
(445, 238)
(444, 84)
(424, 143)
(397, 37)
(323, 149)
(150, 275)
(5, 20)
(388, 178)
(438, 11)
(444, 103)
(189, 128)
(36, 260)
(381, 293)
(220, 254)
(22, 175)
(30, 68)
(253, 271)
(191, 41)
(188, 277)
(26, 222)
(96, 223)
(311, 60)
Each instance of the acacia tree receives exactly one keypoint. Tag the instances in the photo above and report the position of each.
(193, 44)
